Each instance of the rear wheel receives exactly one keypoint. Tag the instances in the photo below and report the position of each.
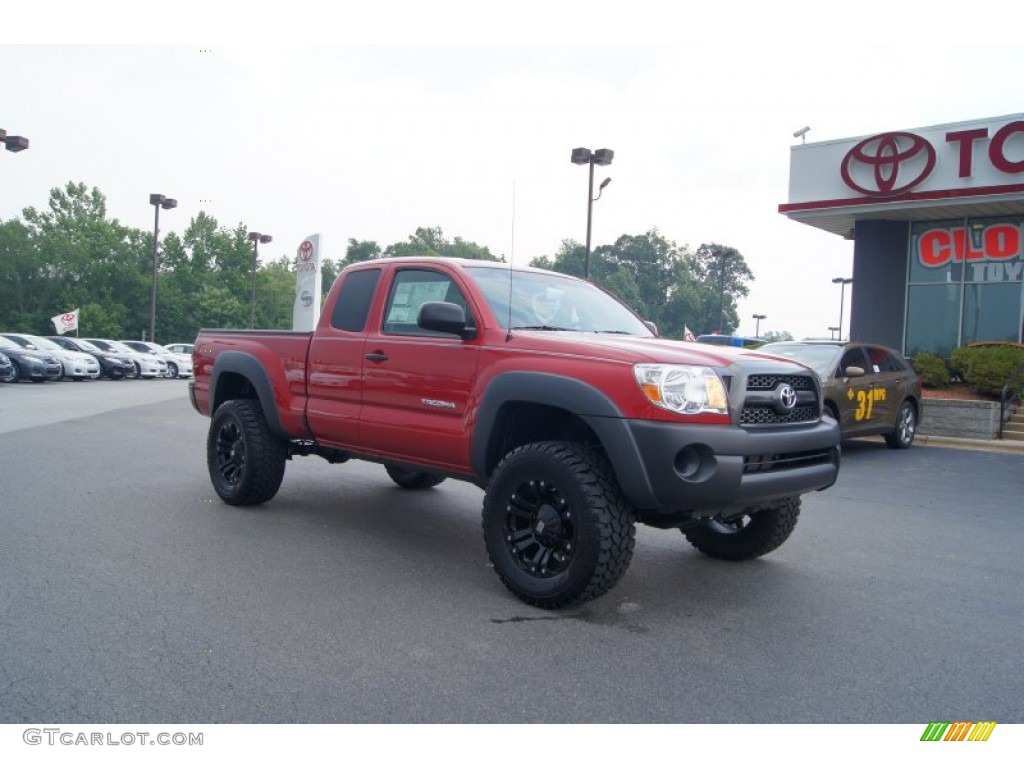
(906, 427)
(557, 528)
(755, 532)
(245, 459)
(411, 479)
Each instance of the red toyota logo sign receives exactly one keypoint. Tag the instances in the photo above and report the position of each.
(67, 320)
(895, 163)
(306, 250)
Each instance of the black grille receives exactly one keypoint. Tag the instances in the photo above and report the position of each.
(762, 405)
(761, 381)
(780, 462)
(763, 414)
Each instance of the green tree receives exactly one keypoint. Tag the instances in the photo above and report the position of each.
(432, 242)
(721, 272)
(769, 336)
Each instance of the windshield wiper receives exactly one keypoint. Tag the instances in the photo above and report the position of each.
(623, 333)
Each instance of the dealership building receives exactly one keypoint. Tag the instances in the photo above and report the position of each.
(936, 216)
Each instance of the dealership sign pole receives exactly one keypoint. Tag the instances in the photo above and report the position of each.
(306, 310)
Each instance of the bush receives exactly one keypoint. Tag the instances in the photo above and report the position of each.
(986, 369)
(932, 370)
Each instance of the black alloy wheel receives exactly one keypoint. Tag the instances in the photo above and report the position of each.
(245, 459)
(556, 526)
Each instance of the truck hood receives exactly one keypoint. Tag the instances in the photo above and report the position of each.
(634, 349)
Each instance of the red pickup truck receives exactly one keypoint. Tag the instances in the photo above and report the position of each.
(570, 413)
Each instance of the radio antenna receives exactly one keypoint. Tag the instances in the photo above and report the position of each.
(511, 258)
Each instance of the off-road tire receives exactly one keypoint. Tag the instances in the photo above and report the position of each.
(412, 480)
(556, 526)
(245, 459)
(902, 436)
(748, 536)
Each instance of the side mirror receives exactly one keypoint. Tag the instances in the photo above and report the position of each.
(853, 371)
(651, 327)
(445, 317)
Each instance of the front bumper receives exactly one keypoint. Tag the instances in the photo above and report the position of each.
(671, 467)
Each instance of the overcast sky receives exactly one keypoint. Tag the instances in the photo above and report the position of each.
(419, 129)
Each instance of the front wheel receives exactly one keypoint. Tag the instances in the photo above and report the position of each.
(754, 533)
(411, 479)
(245, 459)
(13, 376)
(906, 426)
(557, 528)
(172, 371)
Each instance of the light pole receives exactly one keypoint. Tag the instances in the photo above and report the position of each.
(757, 327)
(833, 330)
(583, 156)
(721, 289)
(158, 202)
(13, 143)
(256, 238)
(843, 282)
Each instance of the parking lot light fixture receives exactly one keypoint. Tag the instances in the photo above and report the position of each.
(13, 143)
(583, 156)
(256, 238)
(757, 327)
(842, 282)
(832, 329)
(157, 201)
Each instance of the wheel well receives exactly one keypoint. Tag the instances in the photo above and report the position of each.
(523, 423)
(232, 386)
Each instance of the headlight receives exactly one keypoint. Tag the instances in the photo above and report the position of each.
(689, 389)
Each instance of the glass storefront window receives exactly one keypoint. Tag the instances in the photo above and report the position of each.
(933, 315)
(933, 252)
(981, 260)
(992, 312)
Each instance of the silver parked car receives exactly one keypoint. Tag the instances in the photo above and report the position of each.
(177, 365)
(74, 365)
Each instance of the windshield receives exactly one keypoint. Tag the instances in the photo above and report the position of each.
(87, 346)
(6, 343)
(106, 346)
(820, 357)
(122, 347)
(42, 343)
(19, 341)
(548, 302)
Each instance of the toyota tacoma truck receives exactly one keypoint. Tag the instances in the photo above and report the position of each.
(549, 394)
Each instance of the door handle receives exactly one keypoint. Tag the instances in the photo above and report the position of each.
(377, 357)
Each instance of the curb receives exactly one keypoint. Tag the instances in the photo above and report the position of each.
(969, 443)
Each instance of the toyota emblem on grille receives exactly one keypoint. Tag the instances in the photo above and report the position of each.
(785, 398)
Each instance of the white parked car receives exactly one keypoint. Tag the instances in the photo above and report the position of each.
(74, 365)
(177, 365)
(147, 366)
(180, 348)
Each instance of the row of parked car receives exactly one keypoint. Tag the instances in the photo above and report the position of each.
(25, 356)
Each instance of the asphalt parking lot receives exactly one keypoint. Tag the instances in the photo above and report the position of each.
(129, 594)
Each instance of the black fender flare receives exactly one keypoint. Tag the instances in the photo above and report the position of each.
(249, 367)
(587, 402)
